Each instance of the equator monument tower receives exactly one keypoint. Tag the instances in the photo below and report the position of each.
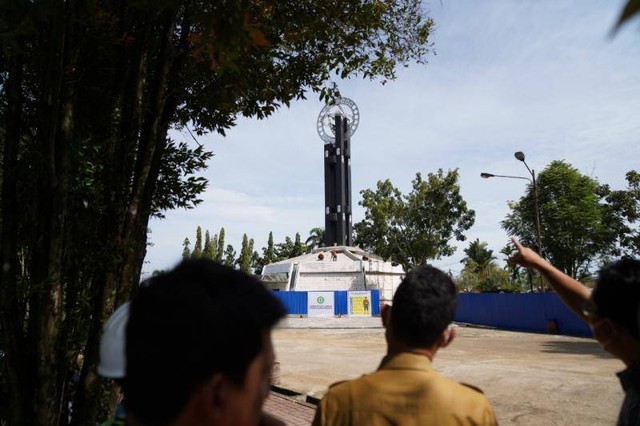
(339, 265)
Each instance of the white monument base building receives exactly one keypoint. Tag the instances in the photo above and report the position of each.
(338, 268)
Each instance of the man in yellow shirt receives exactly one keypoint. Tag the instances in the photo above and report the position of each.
(406, 390)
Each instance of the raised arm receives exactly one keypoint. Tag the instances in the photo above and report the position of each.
(572, 292)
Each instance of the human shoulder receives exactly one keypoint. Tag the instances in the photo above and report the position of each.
(474, 388)
(467, 400)
(345, 385)
(338, 383)
(345, 392)
(333, 408)
(463, 391)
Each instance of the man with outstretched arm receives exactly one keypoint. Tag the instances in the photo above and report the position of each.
(406, 390)
(612, 311)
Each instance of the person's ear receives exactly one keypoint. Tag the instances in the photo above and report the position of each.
(215, 397)
(606, 332)
(385, 314)
(448, 335)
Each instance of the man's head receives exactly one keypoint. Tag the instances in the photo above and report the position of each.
(423, 307)
(614, 308)
(198, 342)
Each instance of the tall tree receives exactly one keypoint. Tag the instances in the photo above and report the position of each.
(622, 215)
(493, 279)
(478, 258)
(268, 256)
(574, 232)
(481, 273)
(88, 94)
(315, 239)
(298, 247)
(220, 250)
(246, 254)
(207, 253)
(214, 247)
(186, 253)
(257, 263)
(414, 228)
(284, 250)
(269, 252)
(229, 256)
(197, 247)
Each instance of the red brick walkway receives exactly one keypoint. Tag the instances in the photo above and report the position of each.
(290, 411)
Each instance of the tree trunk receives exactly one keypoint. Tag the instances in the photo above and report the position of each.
(127, 235)
(13, 333)
(46, 303)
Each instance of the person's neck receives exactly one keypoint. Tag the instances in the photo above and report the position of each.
(400, 347)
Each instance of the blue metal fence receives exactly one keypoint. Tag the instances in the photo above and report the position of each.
(535, 312)
(296, 302)
(375, 303)
(341, 303)
(524, 312)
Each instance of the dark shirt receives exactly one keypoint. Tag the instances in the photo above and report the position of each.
(630, 411)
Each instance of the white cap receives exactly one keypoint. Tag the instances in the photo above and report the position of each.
(112, 344)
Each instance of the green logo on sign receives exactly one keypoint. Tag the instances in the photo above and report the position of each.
(320, 300)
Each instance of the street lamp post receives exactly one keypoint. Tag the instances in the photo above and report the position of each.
(520, 156)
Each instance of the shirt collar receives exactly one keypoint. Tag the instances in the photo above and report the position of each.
(406, 361)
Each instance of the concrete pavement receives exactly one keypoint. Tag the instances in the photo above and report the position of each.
(530, 379)
(293, 410)
(289, 410)
(331, 323)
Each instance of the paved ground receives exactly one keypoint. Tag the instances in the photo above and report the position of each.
(531, 379)
(292, 412)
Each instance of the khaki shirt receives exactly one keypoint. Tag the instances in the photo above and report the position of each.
(405, 390)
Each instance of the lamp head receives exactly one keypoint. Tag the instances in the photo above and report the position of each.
(486, 175)
(519, 155)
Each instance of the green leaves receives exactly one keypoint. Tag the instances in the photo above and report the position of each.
(414, 228)
(581, 220)
(88, 93)
(315, 239)
(177, 186)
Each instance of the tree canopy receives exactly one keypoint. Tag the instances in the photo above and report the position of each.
(414, 228)
(88, 92)
(315, 239)
(581, 220)
(622, 215)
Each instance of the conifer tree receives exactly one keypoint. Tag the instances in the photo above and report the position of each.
(207, 253)
(298, 247)
(186, 253)
(214, 248)
(269, 252)
(221, 253)
(197, 248)
(246, 254)
(230, 256)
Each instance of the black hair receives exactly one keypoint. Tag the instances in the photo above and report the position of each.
(199, 319)
(617, 293)
(423, 306)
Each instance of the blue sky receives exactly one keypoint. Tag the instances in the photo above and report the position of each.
(542, 77)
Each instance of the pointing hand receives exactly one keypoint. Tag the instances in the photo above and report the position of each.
(525, 256)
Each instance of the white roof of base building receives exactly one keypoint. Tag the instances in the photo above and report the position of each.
(334, 268)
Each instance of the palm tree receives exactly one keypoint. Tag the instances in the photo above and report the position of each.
(479, 257)
(316, 238)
